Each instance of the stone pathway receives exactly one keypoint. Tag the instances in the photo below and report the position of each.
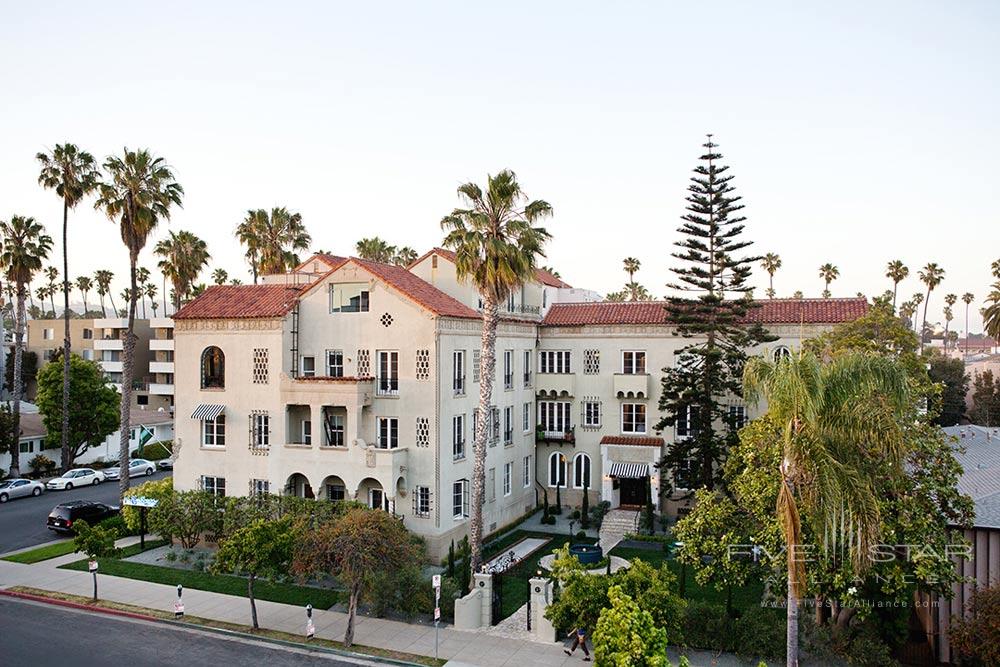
(615, 525)
(513, 627)
(521, 550)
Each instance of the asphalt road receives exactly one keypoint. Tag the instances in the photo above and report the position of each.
(22, 521)
(42, 634)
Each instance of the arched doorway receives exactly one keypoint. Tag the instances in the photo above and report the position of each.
(298, 485)
(333, 489)
(371, 493)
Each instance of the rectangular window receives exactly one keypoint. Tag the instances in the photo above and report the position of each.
(260, 370)
(213, 432)
(88, 354)
(349, 298)
(592, 414)
(526, 417)
(88, 334)
(508, 472)
(491, 483)
(510, 302)
(260, 429)
(458, 437)
(28, 447)
(335, 363)
(737, 417)
(527, 368)
(308, 367)
(458, 372)
(554, 361)
(422, 501)
(214, 485)
(591, 362)
(684, 475)
(388, 373)
(460, 499)
(554, 417)
(633, 417)
(307, 436)
(388, 432)
(684, 426)
(48, 334)
(508, 425)
(526, 473)
(633, 362)
(335, 492)
(259, 487)
(333, 425)
(508, 369)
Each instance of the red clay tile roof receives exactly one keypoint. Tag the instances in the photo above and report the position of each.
(419, 290)
(636, 441)
(771, 311)
(225, 302)
(541, 275)
(329, 260)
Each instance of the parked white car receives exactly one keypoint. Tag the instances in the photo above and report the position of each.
(75, 477)
(18, 488)
(136, 467)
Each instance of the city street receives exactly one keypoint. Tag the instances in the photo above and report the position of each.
(22, 521)
(42, 634)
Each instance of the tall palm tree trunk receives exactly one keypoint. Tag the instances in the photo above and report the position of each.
(111, 298)
(923, 324)
(104, 309)
(966, 329)
(788, 514)
(164, 296)
(128, 365)
(22, 316)
(64, 440)
(487, 368)
(895, 288)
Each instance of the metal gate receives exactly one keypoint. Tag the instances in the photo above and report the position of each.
(496, 615)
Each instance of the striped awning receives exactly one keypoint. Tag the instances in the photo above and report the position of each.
(629, 470)
(205, 411)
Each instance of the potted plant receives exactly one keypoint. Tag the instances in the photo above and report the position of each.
(539, 433)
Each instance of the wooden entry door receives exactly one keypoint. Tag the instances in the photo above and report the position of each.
(632, 491)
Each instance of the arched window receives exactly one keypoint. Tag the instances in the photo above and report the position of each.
(581, 471)
(781, 352)
(213, 368)
(557, 470)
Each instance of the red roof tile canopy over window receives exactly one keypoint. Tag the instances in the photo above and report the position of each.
(771, 311)
(635, 441)
(541, 275)
(223, 302)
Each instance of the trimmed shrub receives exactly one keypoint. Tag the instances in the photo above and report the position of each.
(707, 626)
(760, 633)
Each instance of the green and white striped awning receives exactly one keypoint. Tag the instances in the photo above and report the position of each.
(629, 470)
(207, 412)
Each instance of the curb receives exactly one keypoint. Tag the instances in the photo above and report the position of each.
(207, 628)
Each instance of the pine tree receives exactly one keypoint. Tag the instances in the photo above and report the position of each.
(712, 278)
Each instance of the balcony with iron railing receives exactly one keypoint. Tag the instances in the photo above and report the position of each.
(458, 386)
(387, 387)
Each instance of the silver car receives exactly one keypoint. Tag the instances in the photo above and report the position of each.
(136, 467)
(19, 488)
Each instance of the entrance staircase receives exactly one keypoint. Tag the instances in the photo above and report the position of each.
(616, 523)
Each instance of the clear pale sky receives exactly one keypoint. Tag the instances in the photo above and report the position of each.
(858, 132)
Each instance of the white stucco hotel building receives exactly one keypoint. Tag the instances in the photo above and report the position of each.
(349, 379)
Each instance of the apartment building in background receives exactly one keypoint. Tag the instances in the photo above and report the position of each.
(349, 379)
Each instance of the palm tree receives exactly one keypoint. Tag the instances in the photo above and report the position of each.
(552, 272)
(42, 292)
(995, 269)
(149, 291)
(991, 313)
(375, 250)
(140, 192)
(827, 447)
(84, 284)
(631, 265)
(219, 276)
(235, 281)
(771, 263)
(828, 272)
(906, 311)
(404, 256)
(967, 299)
(496, 246)
(917, 299)
(103, 278)
(798, 294)
(73, 174)
(896, 271)
(52, 275)
(184, 257)
(949, 300)
(142, 279)
(25, 246)
(638, 292)
(272, 239)
(931, 275)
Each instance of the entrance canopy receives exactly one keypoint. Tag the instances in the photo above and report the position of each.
(208, 412)
(629, 470)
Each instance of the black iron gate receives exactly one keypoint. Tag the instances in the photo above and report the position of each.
(496, 613)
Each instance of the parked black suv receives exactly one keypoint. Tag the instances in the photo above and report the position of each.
(64, 515)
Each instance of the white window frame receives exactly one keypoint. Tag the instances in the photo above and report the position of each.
(508, 425)
(634, 407)
(217, 429)
(527, 368)
(387, 361)
(339, 290)
(458, 372)
(334, 369)
(630, 362)
(260, 487)
(526, 418)
(508, 370)
(508, 473)
(460, 499)
(423, 501)
(491, 483)
(561, 482)
(583, 460)
(556, 414)
(592, 413)
(332, 426)
(526, 472)
(458, 437)
(307, 372)
(214, 485)
(387, 432)
(306, 431)
(741, 412)
(555, 362)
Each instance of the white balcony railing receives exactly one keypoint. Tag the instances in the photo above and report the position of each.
(165, 344)
(161, 367)
(160, 389)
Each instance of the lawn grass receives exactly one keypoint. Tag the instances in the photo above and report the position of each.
(747, 597)
(514, 582)
(234, 627)
(320, 598)
(42, 553)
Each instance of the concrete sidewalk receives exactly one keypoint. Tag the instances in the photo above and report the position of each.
(458, 646)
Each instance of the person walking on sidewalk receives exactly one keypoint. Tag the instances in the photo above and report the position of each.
(579, 639)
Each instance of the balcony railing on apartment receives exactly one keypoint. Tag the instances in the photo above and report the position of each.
(458, 385)
(555, 437)
(387, 387)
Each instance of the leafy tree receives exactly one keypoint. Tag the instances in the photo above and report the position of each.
(707, 373)
(94, 406)
(179, 515)
(931, 276)
(351, 549)
(272, 239)
(95, 541)
(950, 373)
(29, 370)
(627, 636)
(260, 549)
(985, 399)
(497, 245)
(825, 446)
(139, 193)
(828, 272)
(976, 635)
(8, 436)
(897, 272)
(770, 263)
(24, 245)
